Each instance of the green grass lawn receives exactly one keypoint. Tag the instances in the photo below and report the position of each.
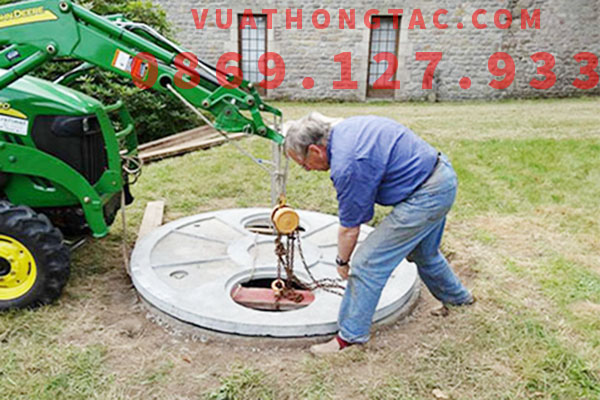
(523, 235)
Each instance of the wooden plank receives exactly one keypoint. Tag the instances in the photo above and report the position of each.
(182, 137)
(264, 299)
(153, 217)
(186, 147)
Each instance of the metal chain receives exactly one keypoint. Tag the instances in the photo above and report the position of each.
(132, 166)
(327, 284)
(279, 252)
(285, 259)
(284, 289)
(292, 279)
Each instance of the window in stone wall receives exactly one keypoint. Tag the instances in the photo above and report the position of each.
(252, 45)
(385, 38)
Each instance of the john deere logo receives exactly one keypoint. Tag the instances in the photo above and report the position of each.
(6, 109)
(26, 16)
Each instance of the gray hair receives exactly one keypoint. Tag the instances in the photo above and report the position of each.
(311, 129)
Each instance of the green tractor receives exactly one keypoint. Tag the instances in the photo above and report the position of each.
(65, 158)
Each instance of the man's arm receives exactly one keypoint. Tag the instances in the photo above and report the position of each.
(347, 238)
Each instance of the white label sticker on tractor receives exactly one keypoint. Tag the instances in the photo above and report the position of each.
(13, 125)
(122, 61)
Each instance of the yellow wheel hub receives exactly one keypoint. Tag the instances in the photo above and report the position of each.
(17, 268)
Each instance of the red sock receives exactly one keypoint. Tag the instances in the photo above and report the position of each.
(342, 342)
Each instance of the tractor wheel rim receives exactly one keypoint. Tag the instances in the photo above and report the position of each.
(21, 273)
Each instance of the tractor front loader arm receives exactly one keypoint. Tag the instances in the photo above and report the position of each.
(25, 160)
(34, 32)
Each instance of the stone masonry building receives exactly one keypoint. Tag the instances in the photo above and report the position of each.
(324, 52)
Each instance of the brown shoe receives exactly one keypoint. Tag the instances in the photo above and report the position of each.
(441, 311)
(330, 347)
(444, 310)
(335, 345)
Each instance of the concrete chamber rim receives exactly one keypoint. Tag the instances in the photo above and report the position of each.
(188, 331)
(323, 325)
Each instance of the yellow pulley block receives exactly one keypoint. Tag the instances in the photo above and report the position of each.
(285, 218)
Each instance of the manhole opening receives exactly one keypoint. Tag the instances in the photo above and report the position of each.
(259, 295)
(265, 283)
(264, 226)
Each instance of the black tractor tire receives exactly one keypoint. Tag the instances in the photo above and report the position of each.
(49, 257)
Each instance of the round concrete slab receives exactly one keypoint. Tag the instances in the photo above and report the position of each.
(188, 268)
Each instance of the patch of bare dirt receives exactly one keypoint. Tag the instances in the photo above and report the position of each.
(155, 361)
(139, 350)
(586, 308)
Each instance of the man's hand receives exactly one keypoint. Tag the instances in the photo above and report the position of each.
(343, 271)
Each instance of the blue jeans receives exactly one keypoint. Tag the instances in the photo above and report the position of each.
(413, 230)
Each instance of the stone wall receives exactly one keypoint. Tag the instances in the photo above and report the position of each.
(567, 28)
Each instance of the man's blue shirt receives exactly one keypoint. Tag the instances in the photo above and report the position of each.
(375, 160)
